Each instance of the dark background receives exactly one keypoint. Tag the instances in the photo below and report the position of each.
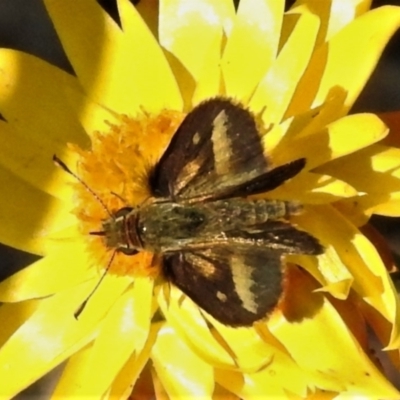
(24, 25)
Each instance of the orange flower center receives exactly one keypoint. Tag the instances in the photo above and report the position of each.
(117, 169)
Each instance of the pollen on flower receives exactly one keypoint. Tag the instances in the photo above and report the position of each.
(117, 169)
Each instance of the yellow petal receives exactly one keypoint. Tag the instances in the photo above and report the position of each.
(32, 161)
(378, 177)
(58, 271)
(317, 394)
(97, 49)
(311, 188)
(187, 29)
(231, 380)
(329, 270)
(186, 318)
(69, 382)
(275, 90)
(13, 315)
(345, 62)
(94, 48)
(277, 380)
(100, 300)
(273, 381)
(335, 14)
(314, 321)
(343, 136)
(251, 353)
(378, 170)
(144, 310)
(182, 373)
(371, 280)
(119, 336)
(53, 334)
(31, 100)
(314, 119)
(388, 209)
(93, 116)
(220, 393)
(280, 373)
(245, 387)
(35, 130)
(29, 215)
(155, 87)
(360, 210)
(252, 45)
(209, 78)
(47, 338)
(122, 385)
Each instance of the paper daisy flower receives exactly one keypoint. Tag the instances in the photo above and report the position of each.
(298, 73)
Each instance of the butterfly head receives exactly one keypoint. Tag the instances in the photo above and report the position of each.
(120, 231)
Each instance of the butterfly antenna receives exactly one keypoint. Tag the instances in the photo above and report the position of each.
(78, 312)
(63, 166)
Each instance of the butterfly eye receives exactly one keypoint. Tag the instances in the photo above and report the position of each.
(128, 252)
(122, 212)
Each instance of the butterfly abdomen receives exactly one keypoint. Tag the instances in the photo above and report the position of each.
(238, 213)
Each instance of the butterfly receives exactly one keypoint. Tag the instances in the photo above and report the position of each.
(221, 248)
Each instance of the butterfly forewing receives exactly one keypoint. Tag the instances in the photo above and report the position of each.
(216, 150)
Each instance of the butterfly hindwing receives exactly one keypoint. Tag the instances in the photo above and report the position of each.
(238, 279)
(237, 286)
(217, 153)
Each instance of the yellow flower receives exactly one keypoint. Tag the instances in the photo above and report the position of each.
(299, 72)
